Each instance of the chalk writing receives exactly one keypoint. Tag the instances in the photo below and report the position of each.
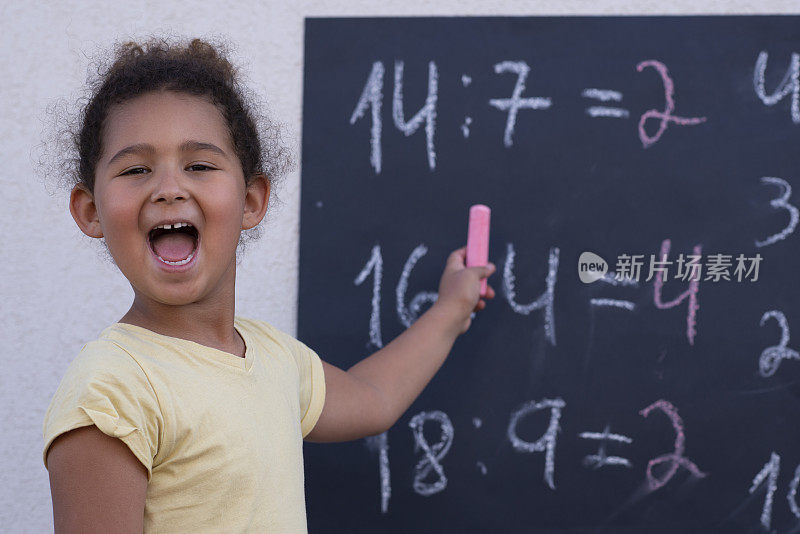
(432, 453)
(516, 102)
(676, 458)
(613, 303)
(427, 113)
(768, 478)
(605, 95)
(408, 315)
(601, 459)
(665, 116)
(372, 97)
(691, 294)
(375, 266)
(380, 444)
(545, 300)
(771, 357)
(789, 84)
(770, 474)
(605, 111)
(792, 495)
(781, 202)
(546, 443)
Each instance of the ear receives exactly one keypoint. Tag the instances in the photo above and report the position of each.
(84, 211)
(256, 201)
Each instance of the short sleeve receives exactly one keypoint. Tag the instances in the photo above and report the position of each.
(105, 386)
(312, 385)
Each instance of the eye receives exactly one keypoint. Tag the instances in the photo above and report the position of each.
(130, 171)
(201, 165)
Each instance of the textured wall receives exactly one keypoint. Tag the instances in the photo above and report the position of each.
(58, 291)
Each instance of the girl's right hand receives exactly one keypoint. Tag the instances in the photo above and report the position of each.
(459, 290)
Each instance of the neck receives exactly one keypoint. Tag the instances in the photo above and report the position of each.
(208, 322)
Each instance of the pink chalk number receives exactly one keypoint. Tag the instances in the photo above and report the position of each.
(676, 458)
(665, 116)
(691, 293)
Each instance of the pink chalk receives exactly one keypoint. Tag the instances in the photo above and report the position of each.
(691, 293)
(665, 116)
(478, 239)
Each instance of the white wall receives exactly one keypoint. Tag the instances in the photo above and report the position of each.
(57, 290)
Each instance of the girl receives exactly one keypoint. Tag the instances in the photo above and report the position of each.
(182, 416)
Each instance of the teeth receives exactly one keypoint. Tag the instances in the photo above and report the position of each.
(171, 226)
(182, 262)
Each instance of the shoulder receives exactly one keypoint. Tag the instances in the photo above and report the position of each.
(102, 368)
(105, 356)
(103, 375)
(105, 386)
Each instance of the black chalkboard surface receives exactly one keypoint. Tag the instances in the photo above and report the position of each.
(663, 400)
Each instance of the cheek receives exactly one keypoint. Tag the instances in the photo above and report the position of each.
(225, 214)
(119, 216)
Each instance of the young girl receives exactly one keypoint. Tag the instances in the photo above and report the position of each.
(182, 416)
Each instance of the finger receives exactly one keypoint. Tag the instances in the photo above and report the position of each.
(457, 258)
(490, 294)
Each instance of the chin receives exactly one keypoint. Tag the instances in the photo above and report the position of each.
(170, 298)
(176, 300)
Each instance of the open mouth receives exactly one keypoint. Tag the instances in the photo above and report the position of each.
(174, 244)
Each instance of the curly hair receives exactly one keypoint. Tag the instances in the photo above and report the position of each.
(199, 68)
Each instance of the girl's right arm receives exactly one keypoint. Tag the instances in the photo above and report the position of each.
(373, 394)
(96, 483)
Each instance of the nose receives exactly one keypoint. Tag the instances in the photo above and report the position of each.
(169, 188)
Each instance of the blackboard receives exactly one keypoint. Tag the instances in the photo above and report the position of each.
(663, 404)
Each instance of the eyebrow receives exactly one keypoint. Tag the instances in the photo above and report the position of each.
(187, 146)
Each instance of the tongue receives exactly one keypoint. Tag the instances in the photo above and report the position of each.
(174, 246)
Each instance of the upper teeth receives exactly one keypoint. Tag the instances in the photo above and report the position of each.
(171, 226)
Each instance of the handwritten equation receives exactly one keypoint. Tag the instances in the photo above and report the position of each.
(429, 473)
(607, 103)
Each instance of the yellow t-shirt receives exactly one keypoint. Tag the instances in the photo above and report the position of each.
(220, 436)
